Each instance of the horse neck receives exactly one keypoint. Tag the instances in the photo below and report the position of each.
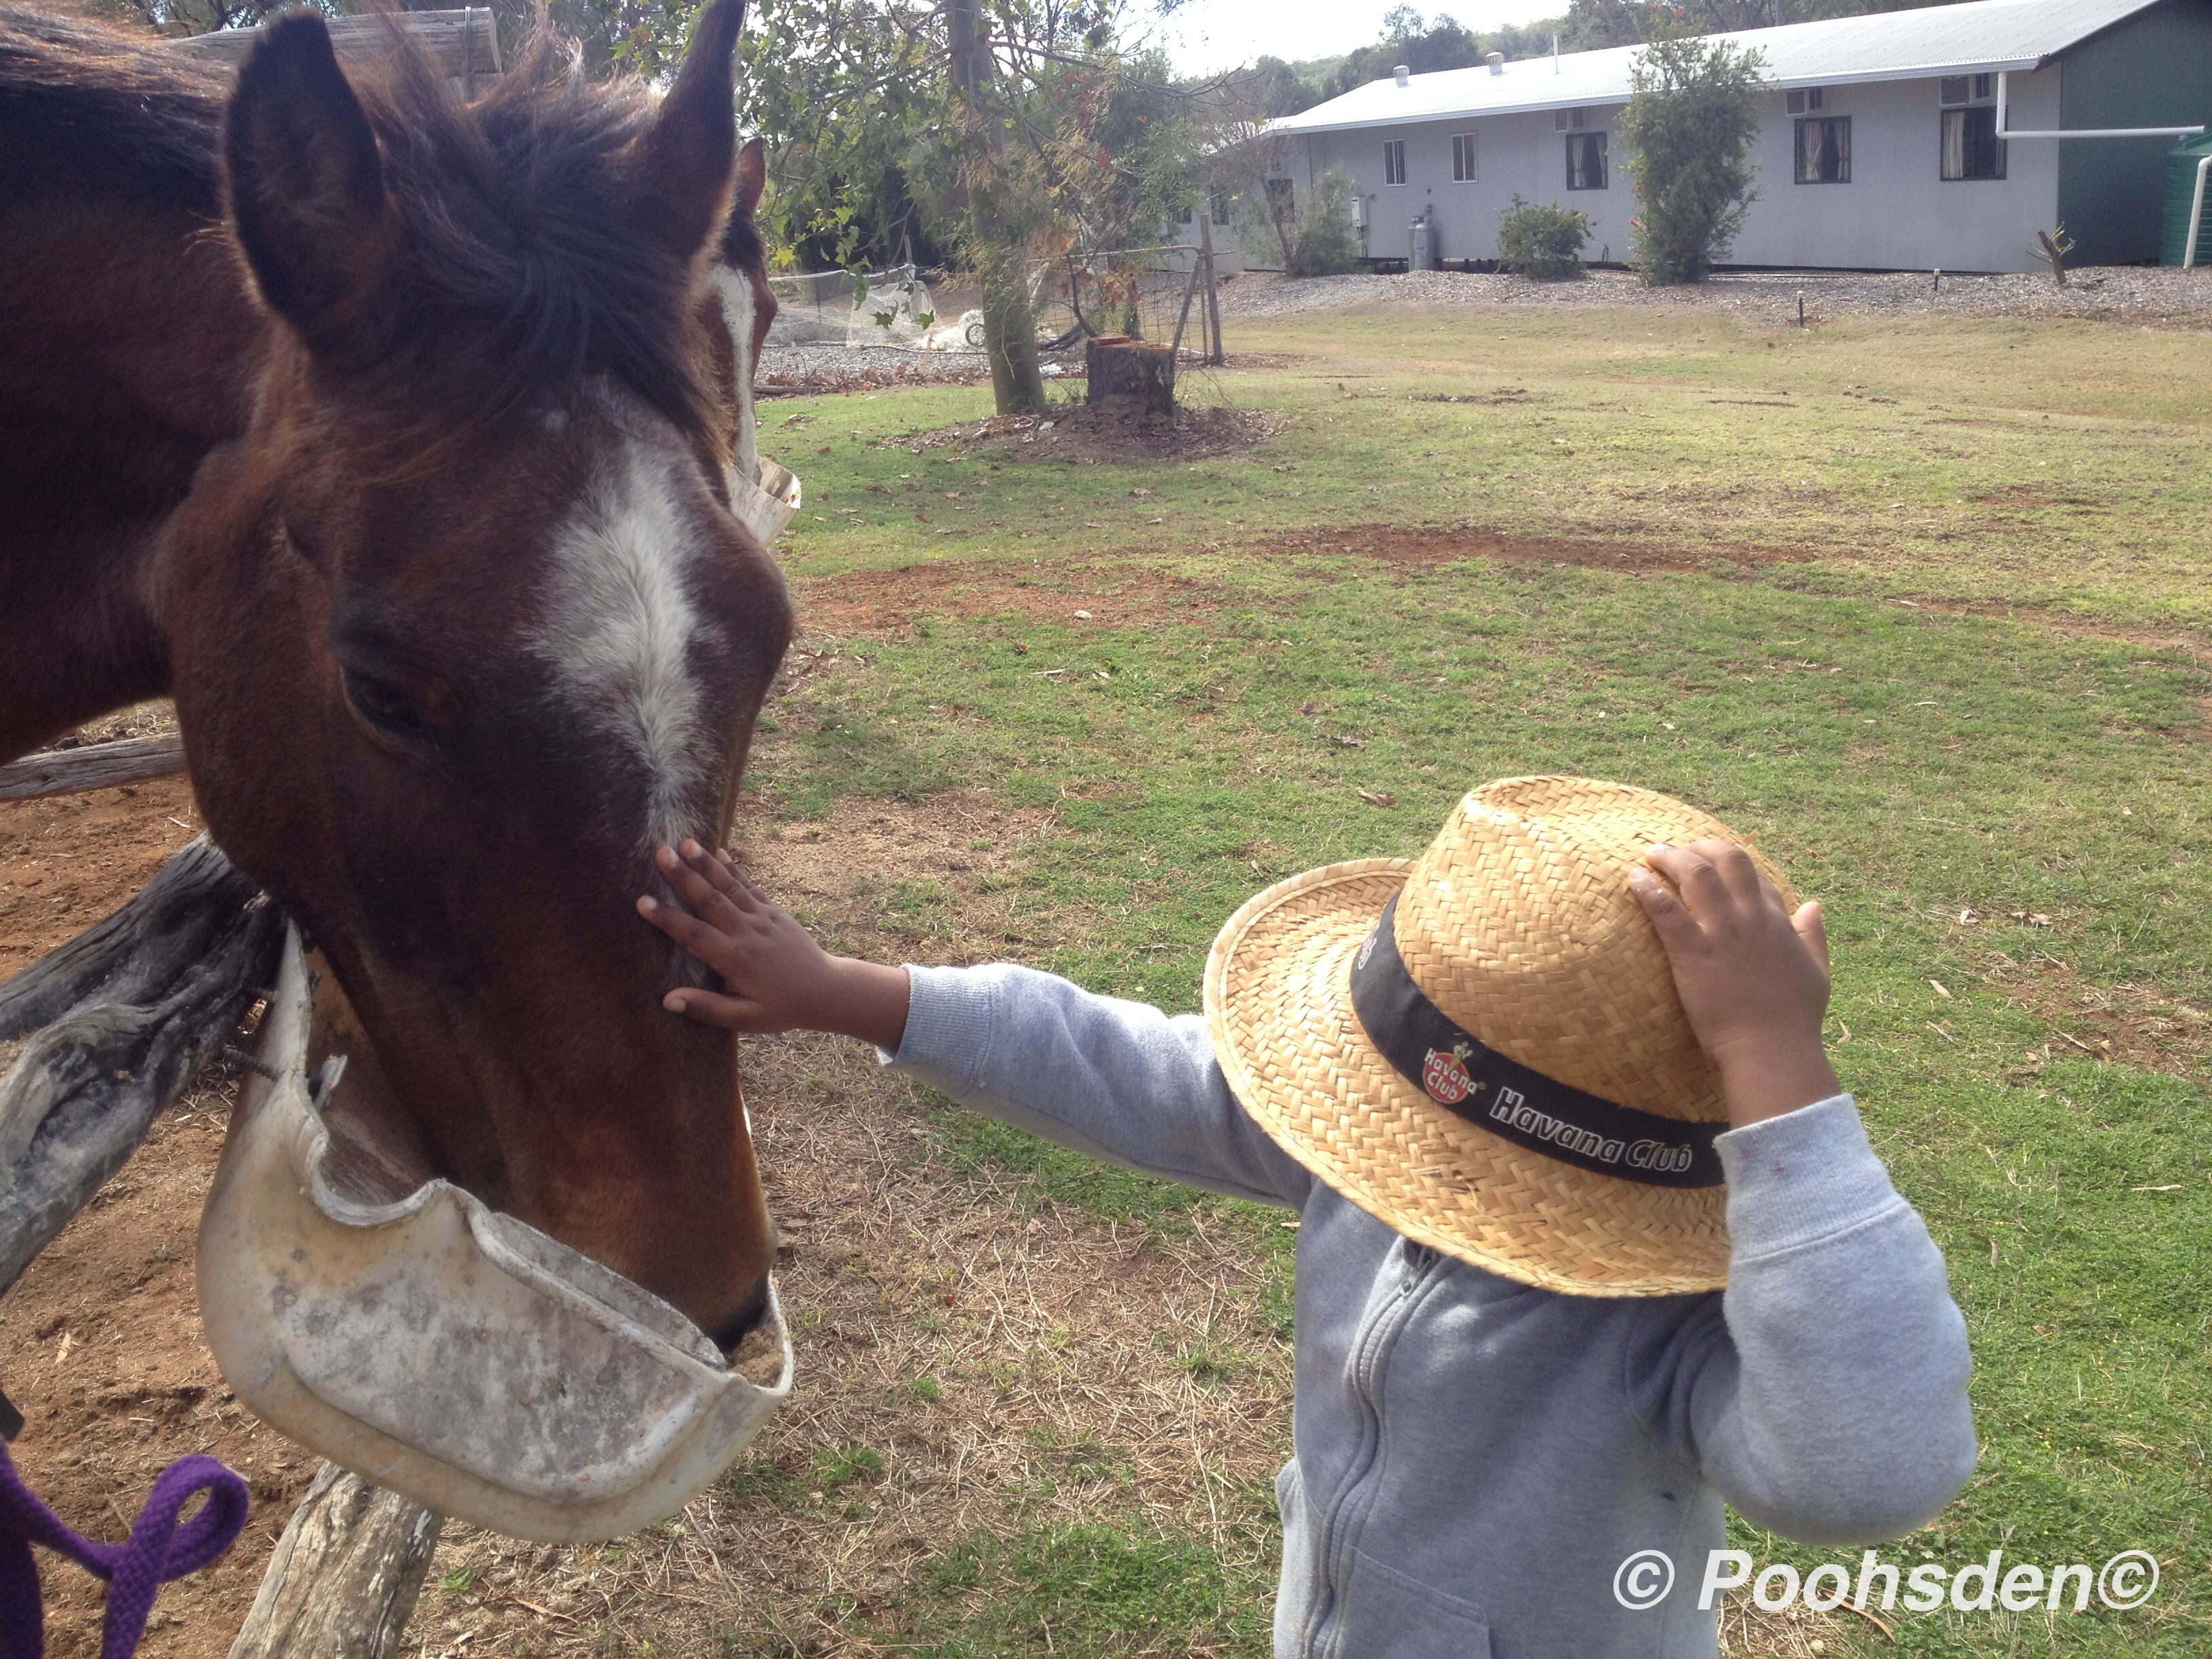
(128, 348)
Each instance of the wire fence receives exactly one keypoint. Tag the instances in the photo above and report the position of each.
(1164, 295)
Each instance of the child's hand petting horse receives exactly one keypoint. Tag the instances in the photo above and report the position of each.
(776, 977)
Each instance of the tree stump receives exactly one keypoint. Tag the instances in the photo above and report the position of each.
(1130, 377)
(345, 1577)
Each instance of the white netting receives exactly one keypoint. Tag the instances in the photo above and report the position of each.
(843, 308)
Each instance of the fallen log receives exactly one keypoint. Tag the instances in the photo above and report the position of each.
(345, 1575)
(124, 1017)
(95, 766)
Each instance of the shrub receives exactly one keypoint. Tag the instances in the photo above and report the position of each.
(1543, 242)
(1317, 239)
(1325, 245)
(1692, 112)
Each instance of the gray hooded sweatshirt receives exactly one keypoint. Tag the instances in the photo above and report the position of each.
(1474, 1459)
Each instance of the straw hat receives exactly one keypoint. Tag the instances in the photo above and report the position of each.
(1543, 1108)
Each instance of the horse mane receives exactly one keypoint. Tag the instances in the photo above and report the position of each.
(524, 256)
(525, 262)
(87, 108)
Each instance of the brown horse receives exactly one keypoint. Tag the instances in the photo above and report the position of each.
(395, 436)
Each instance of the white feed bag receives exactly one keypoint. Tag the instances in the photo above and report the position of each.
(449, 1353)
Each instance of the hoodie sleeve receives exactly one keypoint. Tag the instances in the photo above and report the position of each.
(1112, 1080)
(1824, 1394)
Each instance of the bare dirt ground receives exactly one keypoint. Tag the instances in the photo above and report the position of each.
(1112, 593)
(882, 605)
(1074, 433)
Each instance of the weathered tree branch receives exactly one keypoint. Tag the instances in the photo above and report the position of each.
(95, 766)
(125, 1015)
(345, 1575)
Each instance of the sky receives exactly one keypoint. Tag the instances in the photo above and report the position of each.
(1203, 36)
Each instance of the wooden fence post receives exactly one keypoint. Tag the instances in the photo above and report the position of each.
(345, 1575)
(1214, 352)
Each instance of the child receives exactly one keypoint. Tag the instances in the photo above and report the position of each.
(1590, 1239)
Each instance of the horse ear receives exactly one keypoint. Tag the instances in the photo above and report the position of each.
(752, 175)
(686, 158)
(307, 186)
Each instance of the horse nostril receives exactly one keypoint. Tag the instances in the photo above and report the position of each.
(739, 1325)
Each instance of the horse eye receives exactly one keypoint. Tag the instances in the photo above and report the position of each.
(382, 705)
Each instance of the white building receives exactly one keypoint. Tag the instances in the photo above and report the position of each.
(1882, 143)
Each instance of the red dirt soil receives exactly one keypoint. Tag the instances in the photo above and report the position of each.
(880, 604)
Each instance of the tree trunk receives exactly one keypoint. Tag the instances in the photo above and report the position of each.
(1130, 377)
(345, 1576)
(1009, 320)
(1010, 339)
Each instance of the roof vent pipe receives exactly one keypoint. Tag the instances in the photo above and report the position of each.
(1497, 62)
(1401, 75)
(1555, 54)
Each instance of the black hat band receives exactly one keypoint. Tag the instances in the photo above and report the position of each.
(1461, 1073)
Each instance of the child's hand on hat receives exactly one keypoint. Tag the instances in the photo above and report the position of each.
(778, 979)
(1752, 978)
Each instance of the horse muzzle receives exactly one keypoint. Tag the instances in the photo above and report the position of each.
(404, 1330)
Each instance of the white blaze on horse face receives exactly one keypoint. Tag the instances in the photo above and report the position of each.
(619, 619)
(734, 288)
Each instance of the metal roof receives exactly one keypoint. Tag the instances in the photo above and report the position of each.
(1896, 46)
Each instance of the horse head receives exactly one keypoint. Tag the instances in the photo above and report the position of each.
(463, 627)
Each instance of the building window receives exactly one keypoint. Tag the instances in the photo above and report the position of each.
(1798, 102)
(1586, 161)
(1282, 197)
(1462, 158)
(1223, 207)
(1971, 149)
(1985, 86)
(1569, 120)
(1394, 161)
(1952, 90)
(1823, 150)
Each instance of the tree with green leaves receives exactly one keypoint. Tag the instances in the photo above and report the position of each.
(1592, 24)
(1424, 45)
(1692, 112)
(1018, 127)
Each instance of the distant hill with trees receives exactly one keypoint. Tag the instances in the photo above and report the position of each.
(1424, 45)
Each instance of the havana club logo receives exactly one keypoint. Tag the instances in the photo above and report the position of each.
(1445, 1076)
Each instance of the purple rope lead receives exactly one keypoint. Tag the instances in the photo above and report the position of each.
(158, 1550)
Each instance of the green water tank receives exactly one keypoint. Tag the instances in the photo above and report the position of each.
(2180, 191)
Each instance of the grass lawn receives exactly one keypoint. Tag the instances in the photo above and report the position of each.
(1923, 606)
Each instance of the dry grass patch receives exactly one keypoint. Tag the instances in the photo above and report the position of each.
(884, 604)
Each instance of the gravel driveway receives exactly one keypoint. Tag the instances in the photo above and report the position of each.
(2137, 294)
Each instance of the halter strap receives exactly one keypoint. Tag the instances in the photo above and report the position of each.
(159, 1547)
(1461, 1073)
